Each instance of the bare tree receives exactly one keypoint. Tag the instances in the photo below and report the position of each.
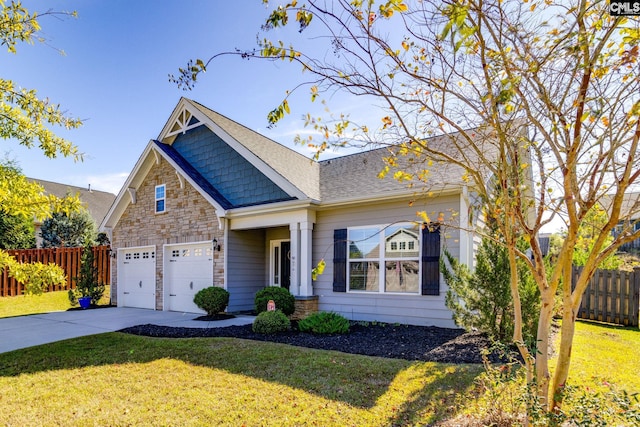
(542, 100)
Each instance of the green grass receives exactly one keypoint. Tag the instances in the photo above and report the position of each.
(34, 304)
(118, 379)
(605, 363)
(605, 354)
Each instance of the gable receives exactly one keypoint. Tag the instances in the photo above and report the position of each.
(233, 176)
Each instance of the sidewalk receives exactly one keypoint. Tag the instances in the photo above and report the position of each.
(27, 331)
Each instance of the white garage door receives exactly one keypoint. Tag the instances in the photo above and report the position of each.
(188, 268)
(137, 277)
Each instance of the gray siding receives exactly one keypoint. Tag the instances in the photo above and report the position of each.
(409, 309)
(246, 267)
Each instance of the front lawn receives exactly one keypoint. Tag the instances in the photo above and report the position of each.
(34, 304)
(118, 379)
(605, 356)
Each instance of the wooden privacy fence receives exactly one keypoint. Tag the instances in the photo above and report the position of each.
(67, 258)
(612, 296)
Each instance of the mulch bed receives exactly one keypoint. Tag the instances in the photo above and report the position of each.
(424, 343)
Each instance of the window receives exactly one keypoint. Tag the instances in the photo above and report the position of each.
(384, 259)
(160, 198)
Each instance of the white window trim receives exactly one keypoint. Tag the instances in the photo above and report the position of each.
(382, 259)
(156, 198)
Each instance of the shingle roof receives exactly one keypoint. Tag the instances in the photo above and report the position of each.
(96, 202)
(356, 175)
(299, 170)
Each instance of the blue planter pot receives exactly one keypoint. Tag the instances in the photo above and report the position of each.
(85, 302)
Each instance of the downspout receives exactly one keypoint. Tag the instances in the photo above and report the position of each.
(466, 240)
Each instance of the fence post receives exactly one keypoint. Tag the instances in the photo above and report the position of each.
(634, 299)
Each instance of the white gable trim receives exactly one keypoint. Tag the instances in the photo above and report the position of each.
(142, 166)
(179, 121)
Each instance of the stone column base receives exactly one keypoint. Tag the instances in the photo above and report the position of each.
(304, 307)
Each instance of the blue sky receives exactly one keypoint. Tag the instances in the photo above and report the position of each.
(114, 75)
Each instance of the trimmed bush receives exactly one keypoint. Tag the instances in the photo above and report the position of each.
(324, 322)
(281, 296)
(271, 322)
(88, 280)
(213, 300)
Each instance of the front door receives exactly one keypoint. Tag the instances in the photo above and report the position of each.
(280, 263)
(285, 263)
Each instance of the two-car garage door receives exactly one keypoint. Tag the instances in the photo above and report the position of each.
(187, 269)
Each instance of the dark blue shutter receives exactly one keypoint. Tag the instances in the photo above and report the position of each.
(431, 259)
(340, 260)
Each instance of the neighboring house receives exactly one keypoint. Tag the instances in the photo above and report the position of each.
(211, 202)
(629, 218)
(96, 202)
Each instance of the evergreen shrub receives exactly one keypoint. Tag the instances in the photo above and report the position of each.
(213, 300)
(281, 297)
(271, 322)
(324, 322)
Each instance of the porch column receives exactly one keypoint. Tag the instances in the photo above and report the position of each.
(294, 232)
(306, 260)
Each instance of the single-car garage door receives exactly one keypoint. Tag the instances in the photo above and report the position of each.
(188, 268)
(137, 277)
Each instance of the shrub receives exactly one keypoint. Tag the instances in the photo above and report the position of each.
(324, 323)
(88, 280)
(213, 300)
(281, 296)
(271, 322)
(482, 298)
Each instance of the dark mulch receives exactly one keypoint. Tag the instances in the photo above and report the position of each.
(426, 343)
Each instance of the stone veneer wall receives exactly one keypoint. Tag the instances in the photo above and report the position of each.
(188, 218)
(304, 306)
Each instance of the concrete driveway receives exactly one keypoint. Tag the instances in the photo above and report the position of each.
(27, 331)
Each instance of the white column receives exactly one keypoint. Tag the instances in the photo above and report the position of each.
(306, 260)
(294, 231)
